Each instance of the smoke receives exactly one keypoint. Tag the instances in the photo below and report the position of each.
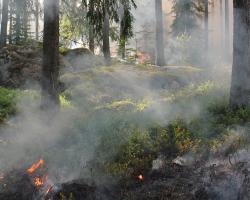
(102, 103)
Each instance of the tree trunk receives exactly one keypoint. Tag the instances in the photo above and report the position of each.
(221, 26)
(50, 70)
(227, 35)
(206, 25)
(4, 23)
(18, 22)
(240, 85)
(91, 38)
(11, 22)
(37, 18)
(25, 20)
(106, 44)
(160, 57)
(122, 40)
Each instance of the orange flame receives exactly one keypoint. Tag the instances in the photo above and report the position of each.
(38, 182)
(35, 166)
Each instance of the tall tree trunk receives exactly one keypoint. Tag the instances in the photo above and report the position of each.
(91, 38)
(221, 26)
(11, 22)
(122, 39)
(240, 86)
(160, 58)
(25, 20)
(227, 34)
(50, 70)
(18, 21)
(206, 25)
(122, 42)
(4, 23)
(37, 18)
(106, 44)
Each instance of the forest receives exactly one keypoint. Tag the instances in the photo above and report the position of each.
(124, 99)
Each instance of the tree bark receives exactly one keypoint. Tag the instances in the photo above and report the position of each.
(160, 57)
(91, 38)
(11, 22)
(122, 42)
(4, 23)
(50, 70)
(221, 25)
(206, 25)
(18, 21)
(37, 18)
(227, 35)
(106, 31)
(240, 85)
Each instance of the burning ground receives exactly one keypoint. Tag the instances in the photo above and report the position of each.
(125, 132)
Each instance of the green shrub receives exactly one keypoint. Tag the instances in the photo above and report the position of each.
(7, 102)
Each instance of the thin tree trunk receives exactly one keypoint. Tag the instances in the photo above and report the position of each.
(11, 22)
(50, 70)
(160, 57)
(4, 23)
(25, 20)
(37, 18)
(106, 44)
(18, 21)
(91, 39)
(206, 25)
(221, 25)
(240, 86)
(227, 34)
(122, 42)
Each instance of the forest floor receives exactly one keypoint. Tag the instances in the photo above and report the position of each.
(125, 131)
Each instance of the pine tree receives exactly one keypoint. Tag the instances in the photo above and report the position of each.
(126, 24)
(50, 70)
(4, 23)
(240, 86)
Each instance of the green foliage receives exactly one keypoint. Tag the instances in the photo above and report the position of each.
(186, 16)
(74, 26)
(7, 103)
(135, 155)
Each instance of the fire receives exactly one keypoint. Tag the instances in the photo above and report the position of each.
(35, 166)
(38, 182)
(39, 178)
(140, 177)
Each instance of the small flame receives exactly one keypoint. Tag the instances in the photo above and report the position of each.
(140, 177)
(38, 182)
(35, 166)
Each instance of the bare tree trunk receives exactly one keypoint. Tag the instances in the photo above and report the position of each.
(122, 42)
(50, 70)
(160, 57)
(227, 35)
(18, 21)
(4, 23)
(240, 86)
(11, 22)
(221, 25)
(37, 18)
(91, 39)
(206, 25)
(106, 44)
